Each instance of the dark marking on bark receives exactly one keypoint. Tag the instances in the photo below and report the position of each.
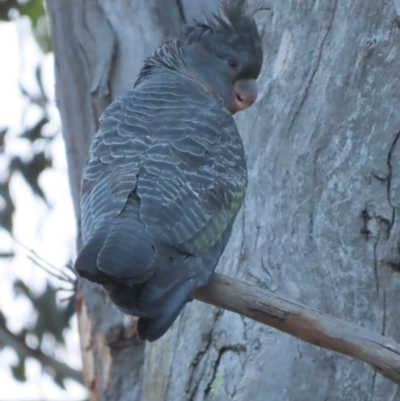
(365, 232)
(194, 367)
(258, 229)
(92, 385)
(119, 337)
(397, 21)
(237, 348)
(314, 71)
(371, 42)
(245, 327)
(181, 11)
(244, 257)
(198, 358)
(394, 266)
(242, 245)
(384, 225)
(384, 314)
(389, 179)
(257, 281)
(376, 268)
(272, 312)
(269, 282)
(111, 71)
(201, 352)
(381, 179)
(298, 348)
(373, 385)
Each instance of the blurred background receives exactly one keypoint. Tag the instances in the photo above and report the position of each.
(39, 344)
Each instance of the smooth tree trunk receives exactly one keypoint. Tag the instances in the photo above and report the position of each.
(321, 220)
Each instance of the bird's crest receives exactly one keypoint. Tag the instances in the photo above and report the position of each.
(233, 13)
(234, 21)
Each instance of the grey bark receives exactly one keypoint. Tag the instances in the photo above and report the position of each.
(320, 223)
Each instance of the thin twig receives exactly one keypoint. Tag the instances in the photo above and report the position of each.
(46, 266)
(60, 275)
(314, 327)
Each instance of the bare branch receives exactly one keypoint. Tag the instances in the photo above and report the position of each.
(7, 338)
(314, 327)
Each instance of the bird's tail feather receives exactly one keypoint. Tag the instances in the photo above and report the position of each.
(86, 263)
(128, 251)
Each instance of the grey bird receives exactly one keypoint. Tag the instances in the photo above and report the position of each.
(166, 172)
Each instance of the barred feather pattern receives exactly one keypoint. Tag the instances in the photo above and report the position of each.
(164, 181)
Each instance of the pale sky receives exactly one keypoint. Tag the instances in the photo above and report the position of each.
(50, 232)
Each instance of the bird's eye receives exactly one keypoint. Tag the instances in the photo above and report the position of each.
(232, 63)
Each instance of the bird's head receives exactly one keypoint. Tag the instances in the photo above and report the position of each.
(225, 53)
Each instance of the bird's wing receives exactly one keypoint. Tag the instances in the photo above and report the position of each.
(114, 160)
(192, 182)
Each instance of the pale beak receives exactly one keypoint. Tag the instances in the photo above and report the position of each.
(245, 94)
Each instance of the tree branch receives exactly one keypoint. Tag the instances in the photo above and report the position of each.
(314, 327)
(7, 338)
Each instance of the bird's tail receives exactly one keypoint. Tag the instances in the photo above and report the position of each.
(86, 262)
(119, 250)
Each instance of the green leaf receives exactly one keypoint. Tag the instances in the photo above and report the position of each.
(51, 318)
(18, 371)
(20, 287)
(31, 170)
(5, 7)
(38, 76)
(34, 9)
(35, 132)
(60, 381)
(3, 132)
(7, 207)
(41, 32)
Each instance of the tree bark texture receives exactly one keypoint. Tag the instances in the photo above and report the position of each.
(321, 219)
(320, 329)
